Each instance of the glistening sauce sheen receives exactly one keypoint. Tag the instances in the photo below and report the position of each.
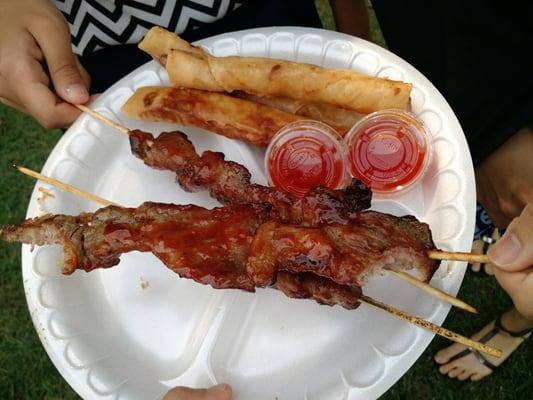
(211, 252)
(305, 160)
(388, 153)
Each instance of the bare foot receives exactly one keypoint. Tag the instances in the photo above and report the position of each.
(481, 247)
(469, 366)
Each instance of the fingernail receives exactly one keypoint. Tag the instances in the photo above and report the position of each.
(77, 93)
(218, 389)
(506, 250)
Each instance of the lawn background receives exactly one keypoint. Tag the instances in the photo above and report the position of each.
(27, 373)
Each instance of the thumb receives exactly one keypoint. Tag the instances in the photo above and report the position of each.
(68, 82)
(514, 251)
(218, 392)
(62, 66)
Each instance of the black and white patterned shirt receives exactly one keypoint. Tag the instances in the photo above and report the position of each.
(95, 24)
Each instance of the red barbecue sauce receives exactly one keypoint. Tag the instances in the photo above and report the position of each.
(305, 158)
(202, 251)
(388, 153)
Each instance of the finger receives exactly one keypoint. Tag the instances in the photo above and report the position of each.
(514, 251)
(218, 392)
(46, 108)
(518, 285)
(13, 105)
(510, 280)
(32, 91)
(54, 40)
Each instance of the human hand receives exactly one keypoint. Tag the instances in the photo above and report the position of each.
(505, 178)
(218, 392)
(513, 257)
(33, 33)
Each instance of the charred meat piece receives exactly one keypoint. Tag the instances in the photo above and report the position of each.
(240, 247)
(229, 182)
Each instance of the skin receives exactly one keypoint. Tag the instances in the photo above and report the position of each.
(477, 247)
(219, 392)
(505, 178)
(351, 17)
(505, 188)
(42, 77)
(512, 260)
(34, 34)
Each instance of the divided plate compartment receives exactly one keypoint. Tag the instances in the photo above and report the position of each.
(135, 330)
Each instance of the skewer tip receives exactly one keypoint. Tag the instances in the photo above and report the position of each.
(472, 309)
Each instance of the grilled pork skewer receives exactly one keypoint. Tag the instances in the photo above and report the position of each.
(238, 247)
(364, 203)
(400, 274)
(234, 247)
(229, 182)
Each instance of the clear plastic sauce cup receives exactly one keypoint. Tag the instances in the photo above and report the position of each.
(388, 150)
(306, 154)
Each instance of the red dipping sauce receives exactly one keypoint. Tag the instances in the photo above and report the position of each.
(388, 150)
(305, 154)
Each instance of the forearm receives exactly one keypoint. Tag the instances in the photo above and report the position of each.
(351, 17)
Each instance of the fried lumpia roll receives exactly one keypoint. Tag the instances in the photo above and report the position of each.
(337, 117)
(191, 67)
(216, 112)
(270, 77)
(158, 42)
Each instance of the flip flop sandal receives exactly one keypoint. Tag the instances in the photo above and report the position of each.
(489, 335)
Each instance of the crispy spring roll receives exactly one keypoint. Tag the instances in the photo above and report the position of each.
(158, 42)
(191, 67)
(341, 88)
(216, 112)
(331, 115)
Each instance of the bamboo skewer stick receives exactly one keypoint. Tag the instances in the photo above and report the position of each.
(365, 299)
(437, 293)
(459, 256)
(426, 287)
(66, 187)
(422, 323)
(102, 118)
(433, 254)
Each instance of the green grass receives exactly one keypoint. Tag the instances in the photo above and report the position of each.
(25, 370)
(27, 373)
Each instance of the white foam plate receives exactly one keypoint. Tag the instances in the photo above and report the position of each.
(135, 330)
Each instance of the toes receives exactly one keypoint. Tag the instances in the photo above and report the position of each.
(455, 372)
(479, 375)
(465, 375)
(440, 357)
(444, 355)
(489, 269)
(477, 246)
(475, 267)
(444, 369)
